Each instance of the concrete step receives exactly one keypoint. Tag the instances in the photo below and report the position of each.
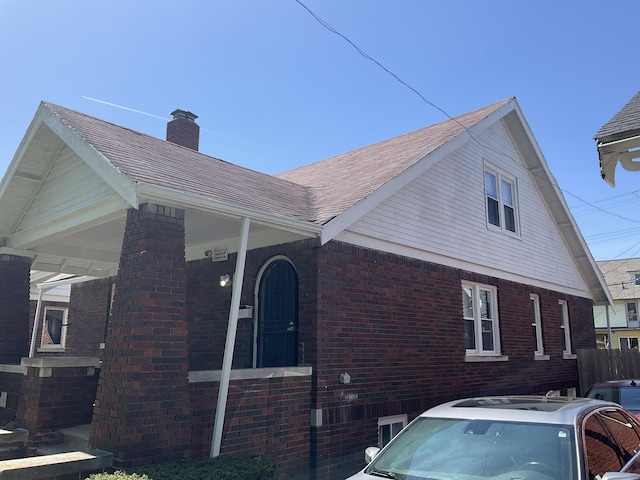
(73, 438)
(12, 443)
(51, 466)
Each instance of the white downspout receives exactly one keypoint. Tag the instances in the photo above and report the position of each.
(236, 290)
(32, 348)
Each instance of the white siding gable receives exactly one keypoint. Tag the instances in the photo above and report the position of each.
(70, 186)
(441, 217)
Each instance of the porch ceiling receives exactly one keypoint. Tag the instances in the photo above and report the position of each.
(95, 250)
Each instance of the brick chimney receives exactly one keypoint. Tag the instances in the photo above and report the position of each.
(183, 130)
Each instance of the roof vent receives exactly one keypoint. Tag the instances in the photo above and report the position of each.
(183, 130)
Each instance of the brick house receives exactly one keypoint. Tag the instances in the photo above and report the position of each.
(307, 314)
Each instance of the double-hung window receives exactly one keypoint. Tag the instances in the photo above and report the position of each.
(502, 210)
(480, 311)
(389, 427)
(564, 326)
(538, 348)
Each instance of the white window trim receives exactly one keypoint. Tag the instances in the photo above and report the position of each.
(501, 175)
(565, 326)
(389, 421)
(478, 352)
(537, 323)
(63, 333)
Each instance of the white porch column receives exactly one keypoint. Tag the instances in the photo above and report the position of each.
(236, 286)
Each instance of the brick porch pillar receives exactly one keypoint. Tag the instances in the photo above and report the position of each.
(141, 413)
(14, 308)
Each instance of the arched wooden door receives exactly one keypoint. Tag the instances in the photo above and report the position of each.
(277, 333)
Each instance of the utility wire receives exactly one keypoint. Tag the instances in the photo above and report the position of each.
(424, 99)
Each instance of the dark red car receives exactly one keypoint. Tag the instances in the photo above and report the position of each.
(623, 392)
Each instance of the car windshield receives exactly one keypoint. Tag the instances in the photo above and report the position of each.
(628, 397)
(457, 449)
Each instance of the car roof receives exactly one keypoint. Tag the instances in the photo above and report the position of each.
(616, 383)
(534, 409)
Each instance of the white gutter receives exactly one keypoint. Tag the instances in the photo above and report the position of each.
(236, 290)
(153, 193)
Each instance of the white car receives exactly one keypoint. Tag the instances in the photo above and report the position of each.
(512, 438)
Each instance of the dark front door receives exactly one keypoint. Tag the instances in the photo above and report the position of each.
(278, 316)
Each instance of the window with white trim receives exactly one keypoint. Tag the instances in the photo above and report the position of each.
(54, 328)
(564, 325)
(632, 311)
(627, 343)
(389, 427)
(538, 347)
(480, 311)
(502, 210)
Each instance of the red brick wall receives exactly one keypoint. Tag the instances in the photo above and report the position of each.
(395, 325)
(14, 308)
(142, 411)
(11, 383)
(208, 305)
(268, 415)
(50, 401)
(88, 311)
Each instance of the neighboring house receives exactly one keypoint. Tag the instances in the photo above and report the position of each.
(618, 141)
(306, 315)
(620, 326)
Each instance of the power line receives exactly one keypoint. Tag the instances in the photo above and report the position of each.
(424, 99)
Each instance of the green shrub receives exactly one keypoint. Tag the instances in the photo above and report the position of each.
(224, 467)
(117, 475)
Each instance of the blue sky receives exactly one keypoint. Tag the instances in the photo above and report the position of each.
(274, 89)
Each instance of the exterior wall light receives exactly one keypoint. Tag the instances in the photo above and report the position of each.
(225, 280)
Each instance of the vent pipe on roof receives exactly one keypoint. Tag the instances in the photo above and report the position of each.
(183, 130)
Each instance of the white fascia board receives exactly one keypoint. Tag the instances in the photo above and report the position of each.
(546, 176)
(122, 184)
(75, 221)
(22, 148)
(357, 211)
(163, 195)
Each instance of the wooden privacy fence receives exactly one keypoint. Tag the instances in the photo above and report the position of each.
(599, 365)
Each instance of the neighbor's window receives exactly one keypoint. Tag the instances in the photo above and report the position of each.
(501, 201)
(564, 325)
(479, 304)
(54, 328)
(538, 348)
(632, 312)
(389, 427)
(628, 342)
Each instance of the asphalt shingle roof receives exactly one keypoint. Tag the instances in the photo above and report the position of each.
(152, 161)
(341, 181)
(617, 275)
(625, 121)
(316, 193)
